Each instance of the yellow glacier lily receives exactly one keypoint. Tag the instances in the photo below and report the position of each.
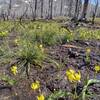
(35, 85)
(78, 76)
(41, 97)
(97, 68)
(73, 76)
(14, 70)
(88, 50)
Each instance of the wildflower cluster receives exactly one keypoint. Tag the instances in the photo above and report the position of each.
(73, 76)
(35, 86)
(86, 34)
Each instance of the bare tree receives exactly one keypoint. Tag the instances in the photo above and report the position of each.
(61, 8)
(76, 10)
(70, 8)
(3, 15)
(50, 9)
(79, 7)
(84, 12)
(35, 9)
(9, 9)
(95, 10)
(24, 14)
(31, 8)
(42, 2)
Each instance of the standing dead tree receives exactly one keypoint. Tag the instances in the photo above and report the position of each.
(50, 10)
(95, 10)
(32, 10)
(76, 10)
(35, 10)
(24, 13)
(3, 15)
(61, 8)
(84, 12)
(70, 8)
(42, 4)
(9, 9)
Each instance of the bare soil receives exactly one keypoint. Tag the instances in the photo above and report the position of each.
(68, 55)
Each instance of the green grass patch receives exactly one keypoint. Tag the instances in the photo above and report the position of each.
(87, 34)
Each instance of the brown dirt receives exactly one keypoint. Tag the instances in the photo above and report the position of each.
(52, 78)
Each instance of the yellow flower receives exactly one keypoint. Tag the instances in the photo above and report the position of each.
(70, 71)
(88, 50)
(97, 68)
(78, 76)
(14, 70)
(16, 41)
(40, 45)
(70, 74)
(35, 85)
(73, 76)
(41, 97)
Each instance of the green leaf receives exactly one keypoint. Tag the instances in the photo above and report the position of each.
(58, 94)
(8, 80)
(91, 81)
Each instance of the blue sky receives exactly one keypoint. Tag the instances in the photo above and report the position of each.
(92, 1)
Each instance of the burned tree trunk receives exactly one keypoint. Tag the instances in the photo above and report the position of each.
(32, 11)
(61, 8)
(76, 10)
(94, 12)
(42, 2)
(70, 8)
(35, 10)
(24, 13)
(50, 9)
(84, 12)
(9, 9)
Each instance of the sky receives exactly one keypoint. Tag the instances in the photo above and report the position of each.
(92, 1)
